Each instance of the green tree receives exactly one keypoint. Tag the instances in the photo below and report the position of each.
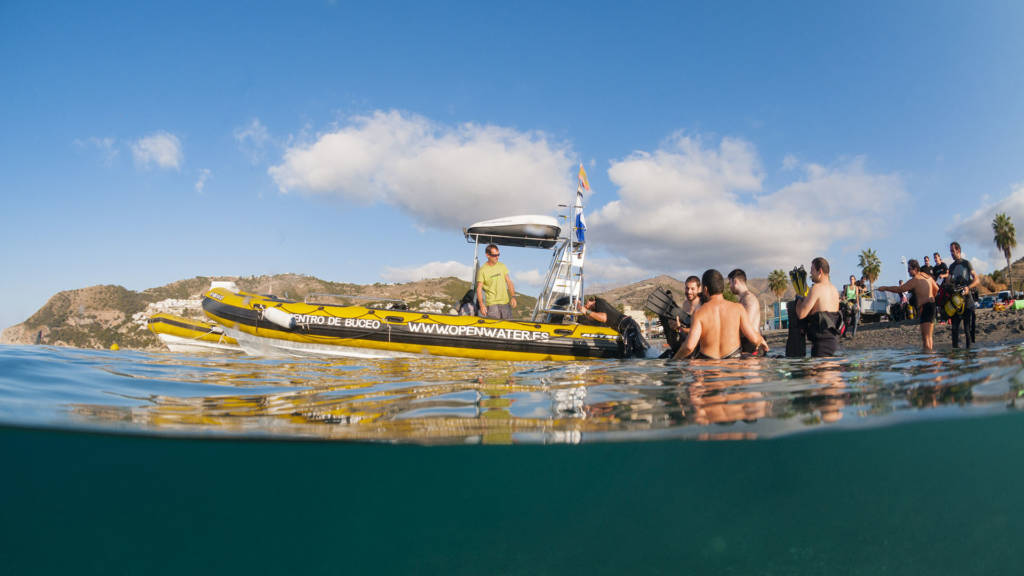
(870, 266)
(1006, 240)
(777, 283)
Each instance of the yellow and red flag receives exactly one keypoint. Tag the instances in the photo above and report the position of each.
(583, 178)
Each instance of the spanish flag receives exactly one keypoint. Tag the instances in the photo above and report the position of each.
(583, 178)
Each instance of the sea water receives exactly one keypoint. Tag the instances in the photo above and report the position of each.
(874, 462)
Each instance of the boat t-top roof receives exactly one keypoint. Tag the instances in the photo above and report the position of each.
(526, 231)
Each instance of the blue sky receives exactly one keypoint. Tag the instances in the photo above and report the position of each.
(143, 144)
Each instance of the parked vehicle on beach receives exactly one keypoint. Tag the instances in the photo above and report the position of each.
(987, 301)
(875, 306)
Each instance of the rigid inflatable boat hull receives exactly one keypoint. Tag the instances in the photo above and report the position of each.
(357, 331)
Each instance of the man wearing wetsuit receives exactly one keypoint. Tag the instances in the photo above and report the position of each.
(927, 267)
(821, 310)
(600, 312)
(717, 325)
(924, 289)
(939, 269)
(963, 279)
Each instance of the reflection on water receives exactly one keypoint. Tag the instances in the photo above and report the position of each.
(439, 400)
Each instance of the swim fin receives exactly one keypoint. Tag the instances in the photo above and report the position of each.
(660, 303)
(798, 276)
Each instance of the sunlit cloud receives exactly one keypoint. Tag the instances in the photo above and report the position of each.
(447, 269)
(691, 205)
(161, 149)
(975, 231)
(442, 176)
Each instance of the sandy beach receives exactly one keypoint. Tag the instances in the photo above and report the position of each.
(994, 327)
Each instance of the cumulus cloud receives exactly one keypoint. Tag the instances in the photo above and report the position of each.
(688, 206)
(162, 149)
(442, 176)
(976, 229)
(614, 271)
(204, 175)
(428, 270)
(252, 140)
(982, 266)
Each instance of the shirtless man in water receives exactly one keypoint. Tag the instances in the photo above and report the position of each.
(821, 308)
(924, 289)
(689, 305)
(717, 325)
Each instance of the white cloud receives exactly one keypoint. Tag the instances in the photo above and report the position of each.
(160, 148)
(252, 140)
(428, 270)
(689, 206)
(982, 266)
(976, 229)
(614, 272)
(204, 175)
(442, 176)
(106, 146)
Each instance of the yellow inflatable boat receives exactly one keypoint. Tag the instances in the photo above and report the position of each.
(267, 325)
(186, 335)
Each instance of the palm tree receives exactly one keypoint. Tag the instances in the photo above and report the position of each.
(777, 283)
(870, 266)
(1006, 240)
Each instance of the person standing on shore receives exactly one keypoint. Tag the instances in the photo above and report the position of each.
(495, 293)
(963, 279)
(939, 269)
(852, 296)
(924, 289)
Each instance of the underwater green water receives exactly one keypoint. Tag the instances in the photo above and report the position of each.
(932, 497)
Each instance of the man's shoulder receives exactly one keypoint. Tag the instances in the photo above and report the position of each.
(749, 297)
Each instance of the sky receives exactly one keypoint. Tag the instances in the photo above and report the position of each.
(143, 143)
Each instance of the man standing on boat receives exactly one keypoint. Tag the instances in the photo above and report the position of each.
(495, 293)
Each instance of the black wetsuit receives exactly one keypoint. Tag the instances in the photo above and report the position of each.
(614, 317)
(823, 332)
(633, 343)
(961, 275)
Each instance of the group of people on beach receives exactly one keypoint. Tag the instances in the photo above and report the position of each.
(954, 298)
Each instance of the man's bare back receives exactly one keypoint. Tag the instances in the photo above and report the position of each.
(716, 329)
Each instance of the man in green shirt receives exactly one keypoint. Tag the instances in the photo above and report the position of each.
(495, 293)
